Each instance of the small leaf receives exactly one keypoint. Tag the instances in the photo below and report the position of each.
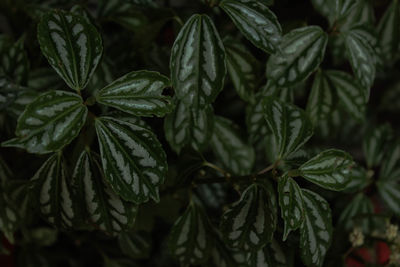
(301, 52)
(133, 160)
(356, 214)
(250, 223)
(316, 230)
(390, 169)
(389, 31)
(198, 62)
(374, 144)
(14, 63)
(255, 21)
(138, 93)
(230, 148)
(289, 124)
(49, 123)
(389, 191)
(72, 46)
(329, 169)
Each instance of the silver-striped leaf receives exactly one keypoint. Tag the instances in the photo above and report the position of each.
(291, 203)
(389, 191)
(359, 179)
(101, 205)
(289, 124)
(255, 21)
(187, 126)
(389, 31)
(329, 169)
(197, 62)
(250, 222)
(255, 122)
(72, 46)
(357, 214)
(52, 185)
(316, 230)
(374, 144)
(9, 216)
(234, 153)
(300, 54)
(326, 8)
(50, 122)
(269, 256)
(133, 159)
(222, 255)
(390, 169)
(136, 245)
(188, 239)
(14, 63)
(138, 93)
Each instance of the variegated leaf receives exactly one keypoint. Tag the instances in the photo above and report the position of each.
(9, 217)
(359, 179)
(43, 78)
(133, 160)
(188, 126)
(197, 63)
(52, 186)
(374, 144)
(390, 169)
(291, 203)
(316, 230)
(101, 205)
(301, 52)
(72, 46)
(269, 256)
(329, 169)
(356, 213)
(138, 93)
(326, 8)
(221, 255)
(389, 191)
(136, 245)
(361, 14)
(255, 122)
(50, 122)
(389, 31)
(188, 240)
(256, 22)
(250, 222)
(289, 124)
(343, 7)
(5, 172)
(14, 63)
(229, 147)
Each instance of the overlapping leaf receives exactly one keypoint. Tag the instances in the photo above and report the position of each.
(389, 31)
(389, 191)
(374, 144)
(9, 217)
(50, 122)
(135, 245)
(269, 256)
(356, 213)
(390, 169)
(14, 63)
(133, 160)
(138, 93)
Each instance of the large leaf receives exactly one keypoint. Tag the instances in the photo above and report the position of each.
(188, 126)
(72, 46)
(100, 203)
(374, 144)
(389, 31)
(329, 169)
(198, 62)
(133, 160)
(256, 22)
(188, 239)
(138, 93)
(50, 122)
(301, 52)
(53, 190)
(356, 213)
(250, 223)
(230, 149)
(291, 203)
(289, 124)
(316, 230)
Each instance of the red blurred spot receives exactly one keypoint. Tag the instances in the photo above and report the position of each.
(382, 252)
(350, 262)
(7, 260)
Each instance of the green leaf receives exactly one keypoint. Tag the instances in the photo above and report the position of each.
(374, 144)
(101, 205)
(198, 62)
(301, 52)
(316, 230)
(14, 63)
(49, 123)
(389, 31)
(291, 203)
(326, 8)
(250, 222)
(269, 256)
(329, 169)
(389, 191)
(390, 169)
(289, 124)
(230, 148)
(255, 21)
(361, 14)
(138, 93)
(188, 126)
(72, 46)
(5, 172)
(359, 179)
(255, 122)
(9, 218)
(356, 213)
(188, 240)
(221, 255)
(53, 190)
(135, 245)
(343, 7)
(133, 160)
(43, 78)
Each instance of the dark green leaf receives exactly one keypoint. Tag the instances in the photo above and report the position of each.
(9, 218)
(14, 63)
(390, 169)
(359, 179)
(356, 213)
(374, 144)
(389, 191)
(269, 256)
(135, 245)
(255, 122)
(389, 31)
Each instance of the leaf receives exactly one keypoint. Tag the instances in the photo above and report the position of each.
(188, 239)
(289, 124)
(329, 169)
(356, 213)
(230, 148)
(198, 62)
(301, 52)
(389, 31)
(135, 245)
(255, 122)
(269, 256)
(43, 78)
(221, 255)
(49, 123)
(101, 205)
(390, 169)
(291, 203)
(374, 144)
(389, 191)
(250, 222)
(359, 179)
(138, 93)
(15, 63)
(54, 192)
(133, 160)
(344, 7)
(9, 218)
(325, 8)
(316, 230)
(72, 46)
(255, 21)
(361, 14)
(188, 126)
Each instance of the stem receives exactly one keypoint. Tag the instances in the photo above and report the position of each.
(218, 169)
